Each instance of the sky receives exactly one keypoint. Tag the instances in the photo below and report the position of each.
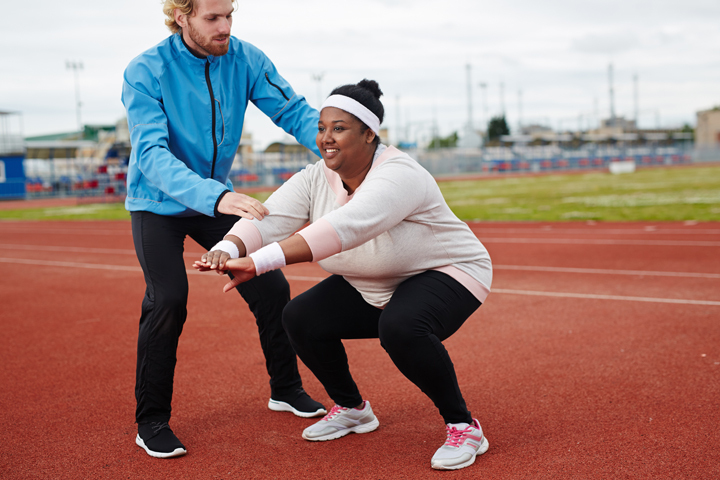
(540, 62)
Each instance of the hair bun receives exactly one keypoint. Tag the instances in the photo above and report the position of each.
(372, 86)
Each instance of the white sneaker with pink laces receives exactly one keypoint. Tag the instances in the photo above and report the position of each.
(464, 442)
(341, 421)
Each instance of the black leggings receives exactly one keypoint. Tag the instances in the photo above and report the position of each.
(424, 310)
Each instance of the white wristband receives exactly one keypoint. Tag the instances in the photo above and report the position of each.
(228, 247)
(270, 257)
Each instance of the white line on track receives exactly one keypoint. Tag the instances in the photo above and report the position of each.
(599, 271)
(127, 268)
(124, 268)
(53, 248)
(64, 231)
(599, 241)
(679, 301)
(604, 271)
(482, 228)
(479, 228)
(111, 251)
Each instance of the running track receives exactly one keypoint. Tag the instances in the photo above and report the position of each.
(596, 356)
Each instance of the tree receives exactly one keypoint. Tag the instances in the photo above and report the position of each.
(497, 127)
(448, 142)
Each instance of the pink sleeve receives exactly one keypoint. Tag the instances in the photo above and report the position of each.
(249, 234)
(322, 239)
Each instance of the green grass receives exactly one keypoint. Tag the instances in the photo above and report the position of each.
(657, 194)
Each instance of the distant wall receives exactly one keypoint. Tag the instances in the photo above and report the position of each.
(12, 177)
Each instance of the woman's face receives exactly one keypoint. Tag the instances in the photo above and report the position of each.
(346, 149)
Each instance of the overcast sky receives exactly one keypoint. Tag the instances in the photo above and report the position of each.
(556, 52)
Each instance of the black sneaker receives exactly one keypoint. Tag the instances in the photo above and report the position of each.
(158, 440)
(298, 403)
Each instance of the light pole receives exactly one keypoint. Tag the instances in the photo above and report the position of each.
(76, 67)
(485, 119)
(502, 98)
(318, 78)
(519, 112)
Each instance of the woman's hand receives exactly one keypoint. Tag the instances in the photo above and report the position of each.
(213, 260)
(243, 269)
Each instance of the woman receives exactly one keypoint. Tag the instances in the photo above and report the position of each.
(405, 269)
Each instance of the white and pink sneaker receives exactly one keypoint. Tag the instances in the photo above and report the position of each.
(341, 421)
(464, 442)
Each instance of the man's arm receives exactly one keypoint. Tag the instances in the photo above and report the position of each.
(274, 96)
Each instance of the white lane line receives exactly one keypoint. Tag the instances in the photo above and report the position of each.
(598, 241)
(481, 228)
(679, 301)
(52, 263)
(63, 231)
(649, 273)
(112, 251)
(318, 279)
(54, 248)
(602, 271)
(124, 268)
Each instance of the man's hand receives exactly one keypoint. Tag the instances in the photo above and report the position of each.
(242, 205)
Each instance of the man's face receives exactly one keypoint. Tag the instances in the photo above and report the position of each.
(207, 30)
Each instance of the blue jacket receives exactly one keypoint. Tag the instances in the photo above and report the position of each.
(185, 116)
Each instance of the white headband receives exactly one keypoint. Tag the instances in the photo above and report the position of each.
(351, 105)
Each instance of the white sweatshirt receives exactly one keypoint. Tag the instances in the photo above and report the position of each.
(394, 226)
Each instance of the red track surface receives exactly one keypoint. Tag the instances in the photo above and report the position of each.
(596, 356)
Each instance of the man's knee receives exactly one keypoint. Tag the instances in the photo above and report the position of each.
(292, 318)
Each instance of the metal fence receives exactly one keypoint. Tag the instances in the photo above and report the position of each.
(90, 177)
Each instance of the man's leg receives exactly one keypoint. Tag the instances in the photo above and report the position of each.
(267, 295)
(159, 246)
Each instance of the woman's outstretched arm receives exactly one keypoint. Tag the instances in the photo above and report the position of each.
(294, 250)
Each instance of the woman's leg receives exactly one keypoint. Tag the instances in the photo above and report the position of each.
(316, 322)
(425, 310)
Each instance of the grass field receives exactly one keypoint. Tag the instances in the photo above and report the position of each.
(657, 194)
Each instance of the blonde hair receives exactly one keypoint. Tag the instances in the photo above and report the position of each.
(186, 7)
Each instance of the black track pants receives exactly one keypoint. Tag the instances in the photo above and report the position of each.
(424, 310)
(159, 244)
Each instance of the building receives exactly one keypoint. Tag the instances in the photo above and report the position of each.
(12, 154)
(707, 132)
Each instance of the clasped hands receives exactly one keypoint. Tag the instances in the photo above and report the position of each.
(243, 269)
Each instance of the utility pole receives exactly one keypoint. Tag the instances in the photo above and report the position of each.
(502, 99)
(485, 119)
(519, 112)
(76, 67)
(469, 96)
(318, 78)
(637, 103)
(397, 120)
(612, 95)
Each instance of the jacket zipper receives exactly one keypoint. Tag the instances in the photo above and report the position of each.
(267, 77)
(212, 107)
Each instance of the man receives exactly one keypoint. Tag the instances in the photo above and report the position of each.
(186, 100)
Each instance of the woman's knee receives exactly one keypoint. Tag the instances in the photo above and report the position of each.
(395, 334)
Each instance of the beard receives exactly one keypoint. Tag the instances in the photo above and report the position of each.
(206, 43)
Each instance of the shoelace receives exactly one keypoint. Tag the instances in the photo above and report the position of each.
(455, 437)
(334, 411)
(157, 426)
